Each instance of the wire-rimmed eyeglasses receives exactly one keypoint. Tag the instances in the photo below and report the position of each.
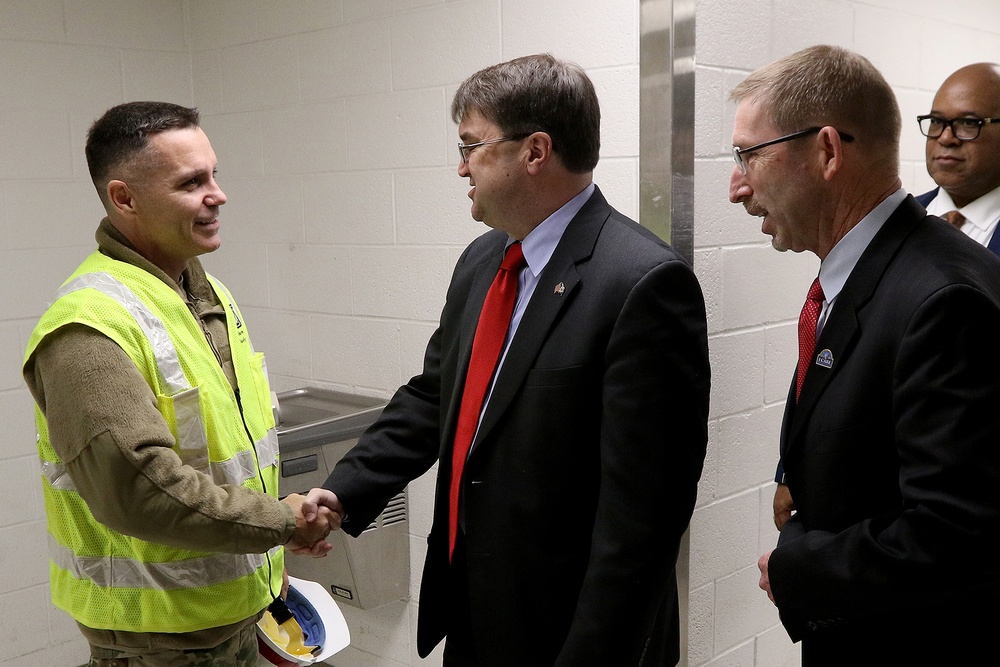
(738, 152)
(466, 149)
(966, 129)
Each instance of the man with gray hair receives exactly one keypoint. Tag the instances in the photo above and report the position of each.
(963, 157)
(889, 439)
(564, 397)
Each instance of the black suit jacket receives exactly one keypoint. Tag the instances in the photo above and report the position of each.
(583, 475)
(892, 455)
(924, 199)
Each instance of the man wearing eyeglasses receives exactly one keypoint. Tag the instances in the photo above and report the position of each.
(889, 439)
(963, 152)
(562, 496)
(963, 158)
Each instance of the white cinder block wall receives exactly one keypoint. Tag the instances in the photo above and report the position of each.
(345, 217)
(754, 294)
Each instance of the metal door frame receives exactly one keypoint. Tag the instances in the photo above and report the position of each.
(666, 163)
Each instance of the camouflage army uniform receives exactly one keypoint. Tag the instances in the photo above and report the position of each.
(238, 651)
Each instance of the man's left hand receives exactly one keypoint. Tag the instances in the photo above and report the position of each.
(765, 583)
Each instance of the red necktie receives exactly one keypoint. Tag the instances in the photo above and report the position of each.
(807, 332)
(955, 218)
(494, 320)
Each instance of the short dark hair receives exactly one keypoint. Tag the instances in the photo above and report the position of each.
(122, 133)
(538, 93)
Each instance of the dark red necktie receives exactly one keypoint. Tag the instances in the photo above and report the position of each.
(494, 320)
(807, 332)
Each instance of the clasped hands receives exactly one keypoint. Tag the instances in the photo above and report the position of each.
(316, 514)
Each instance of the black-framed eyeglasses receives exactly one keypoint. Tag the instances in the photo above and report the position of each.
(466, 149)
(738, 152)
(966, 129)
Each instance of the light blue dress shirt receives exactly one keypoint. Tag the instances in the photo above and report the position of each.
(538, 247)
(838, 265)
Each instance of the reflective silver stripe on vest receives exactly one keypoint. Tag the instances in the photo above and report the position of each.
(166, 355)
(192, 444)
(242, 466)
(191, 439)
(117, 572)
(57, 476)
(235, 471)
(267, 449)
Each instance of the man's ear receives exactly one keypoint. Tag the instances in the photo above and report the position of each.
(831, 153)
(120, 198)
(539, 147)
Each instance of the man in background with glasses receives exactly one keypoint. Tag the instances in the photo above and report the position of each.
(562, 496)
(889, 437)
(963, 152)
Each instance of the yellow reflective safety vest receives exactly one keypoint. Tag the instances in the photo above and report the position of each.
(107, 580)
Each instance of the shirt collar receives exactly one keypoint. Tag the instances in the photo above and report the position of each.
(837, 267)
(981, 212)
(541, 242)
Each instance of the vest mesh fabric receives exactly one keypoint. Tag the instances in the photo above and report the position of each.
(107, 580)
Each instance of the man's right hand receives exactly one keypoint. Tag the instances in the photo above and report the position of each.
(319, 503)
(312, 525)
(319, 499)
(783, 505)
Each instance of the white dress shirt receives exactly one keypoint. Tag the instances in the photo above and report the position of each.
(981, 215)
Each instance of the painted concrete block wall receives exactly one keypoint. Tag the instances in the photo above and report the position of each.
(754, 293)
(330, 118)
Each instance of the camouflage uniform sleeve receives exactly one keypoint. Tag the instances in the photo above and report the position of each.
(104, 424)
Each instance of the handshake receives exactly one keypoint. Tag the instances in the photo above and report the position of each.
(316, 514)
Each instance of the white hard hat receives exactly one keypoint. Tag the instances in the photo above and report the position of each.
(321, 622)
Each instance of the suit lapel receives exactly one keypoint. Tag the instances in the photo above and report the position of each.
(556, 286)
(841, 331)
(994, 244)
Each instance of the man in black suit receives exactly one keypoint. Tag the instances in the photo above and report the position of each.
(890, 441)
(963, 158)
(582, 472)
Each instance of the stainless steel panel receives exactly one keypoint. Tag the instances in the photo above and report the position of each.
(666, 159)
(312, 415)
(317, 428)
(666, 121)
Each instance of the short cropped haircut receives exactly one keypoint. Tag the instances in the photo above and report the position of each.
(120, 135)
(828, 85)
(538, 93)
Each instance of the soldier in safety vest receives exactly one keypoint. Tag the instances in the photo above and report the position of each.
(156, 431)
